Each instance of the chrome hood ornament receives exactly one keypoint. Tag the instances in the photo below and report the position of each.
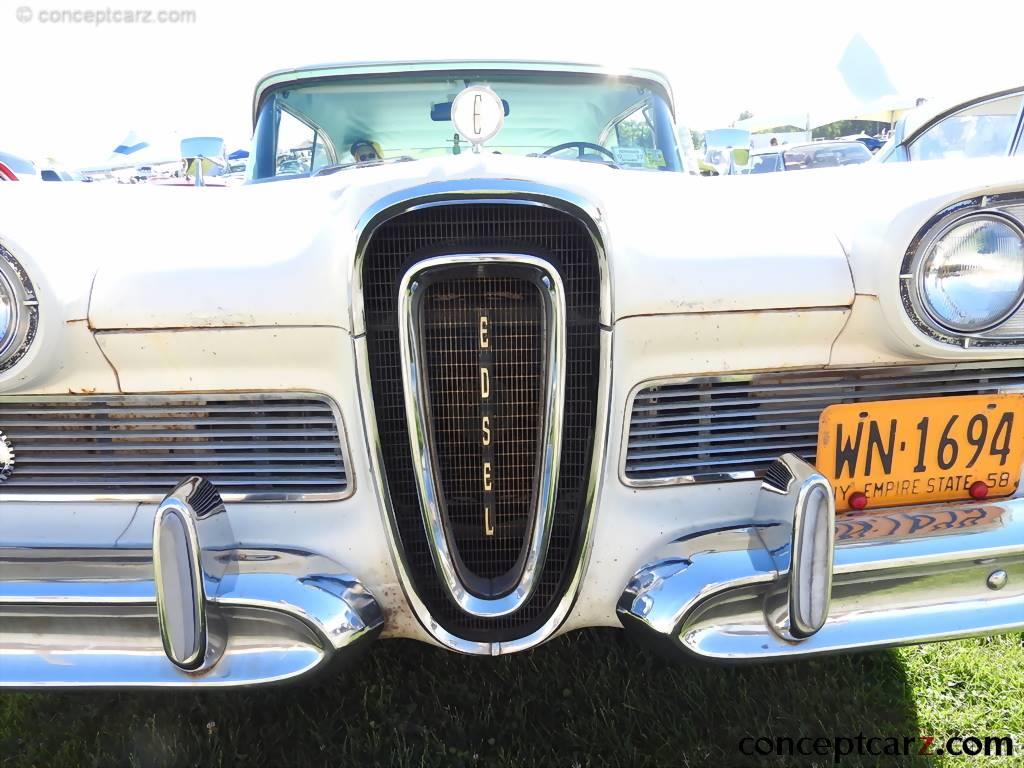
(478, 114)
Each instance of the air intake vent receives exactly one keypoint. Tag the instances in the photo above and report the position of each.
(258, 447)
(732, 428)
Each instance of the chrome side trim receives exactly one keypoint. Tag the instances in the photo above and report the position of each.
(512, 192)
(809, 375)
(153, 398)
(550, 447)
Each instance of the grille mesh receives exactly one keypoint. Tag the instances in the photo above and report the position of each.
(450, 326)
(704, 428)
(140, 446)
(485, 228)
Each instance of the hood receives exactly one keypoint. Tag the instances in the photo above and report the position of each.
(281, 253)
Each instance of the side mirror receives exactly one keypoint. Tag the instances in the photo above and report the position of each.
(740, 156)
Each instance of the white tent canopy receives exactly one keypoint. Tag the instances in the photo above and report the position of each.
(857, 88)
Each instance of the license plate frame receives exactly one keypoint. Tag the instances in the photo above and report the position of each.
(920, 450)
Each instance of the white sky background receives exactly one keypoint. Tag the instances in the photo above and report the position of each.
(73, 91)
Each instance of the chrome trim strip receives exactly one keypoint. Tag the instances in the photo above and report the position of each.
(421, 443)
(152, 398)
(511, 192)
(752, 377)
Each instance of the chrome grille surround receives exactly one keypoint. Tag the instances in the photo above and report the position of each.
(1008, 332)
(471, 192)
(267, 447)
(539, 482)
(712, 429)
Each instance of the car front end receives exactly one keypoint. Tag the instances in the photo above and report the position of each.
(486, 398)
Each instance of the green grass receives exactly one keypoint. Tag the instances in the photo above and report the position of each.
(592, 698)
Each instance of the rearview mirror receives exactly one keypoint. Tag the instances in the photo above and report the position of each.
(442, 112)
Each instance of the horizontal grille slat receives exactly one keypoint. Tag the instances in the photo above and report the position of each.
(709, 429)
(177, 433)
(952, 378)
(138, 446)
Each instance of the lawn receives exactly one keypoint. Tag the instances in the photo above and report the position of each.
(591, 698)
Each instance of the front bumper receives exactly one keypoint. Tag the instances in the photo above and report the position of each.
(197, 609)
(192, 610)
(897, 577)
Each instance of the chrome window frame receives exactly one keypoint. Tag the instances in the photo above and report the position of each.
(466, 192)
(151, 398)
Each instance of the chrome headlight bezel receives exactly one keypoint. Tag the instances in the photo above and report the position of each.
(25, 303)
(928, 251)
(1007, 210)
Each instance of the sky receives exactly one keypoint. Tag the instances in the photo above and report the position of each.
(73, 89)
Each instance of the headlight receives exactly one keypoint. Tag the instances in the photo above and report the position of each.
(19, 310)
(972, 276)
(8, 313)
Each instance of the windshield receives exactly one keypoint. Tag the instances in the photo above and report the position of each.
(343, 122)
(769, 163)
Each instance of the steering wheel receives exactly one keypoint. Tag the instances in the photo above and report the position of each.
(580, 146)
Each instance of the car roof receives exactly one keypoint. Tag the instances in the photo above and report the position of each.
(356, 69)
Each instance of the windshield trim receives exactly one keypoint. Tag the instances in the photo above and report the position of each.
(455, 70)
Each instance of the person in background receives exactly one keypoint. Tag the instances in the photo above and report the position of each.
(366, 151)
(774, 142)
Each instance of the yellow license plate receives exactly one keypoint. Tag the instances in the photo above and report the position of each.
(917, 451)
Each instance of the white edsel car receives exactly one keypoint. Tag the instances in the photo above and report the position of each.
(471, 361)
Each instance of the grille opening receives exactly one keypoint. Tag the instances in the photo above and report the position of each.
(709, 429)
(450, 326)
(392, 248)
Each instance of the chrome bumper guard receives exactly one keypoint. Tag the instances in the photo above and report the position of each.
(196, 610)
(778, 587)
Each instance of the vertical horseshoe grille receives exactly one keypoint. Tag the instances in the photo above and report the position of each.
(562, 244)
(469, 326)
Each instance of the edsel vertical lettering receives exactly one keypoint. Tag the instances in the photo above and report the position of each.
(486, 413)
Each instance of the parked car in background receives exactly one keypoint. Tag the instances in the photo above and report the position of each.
(55, 174)
(483, 398)
(818, 154)
(16, 168)
(873, 143)
(985, 126)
